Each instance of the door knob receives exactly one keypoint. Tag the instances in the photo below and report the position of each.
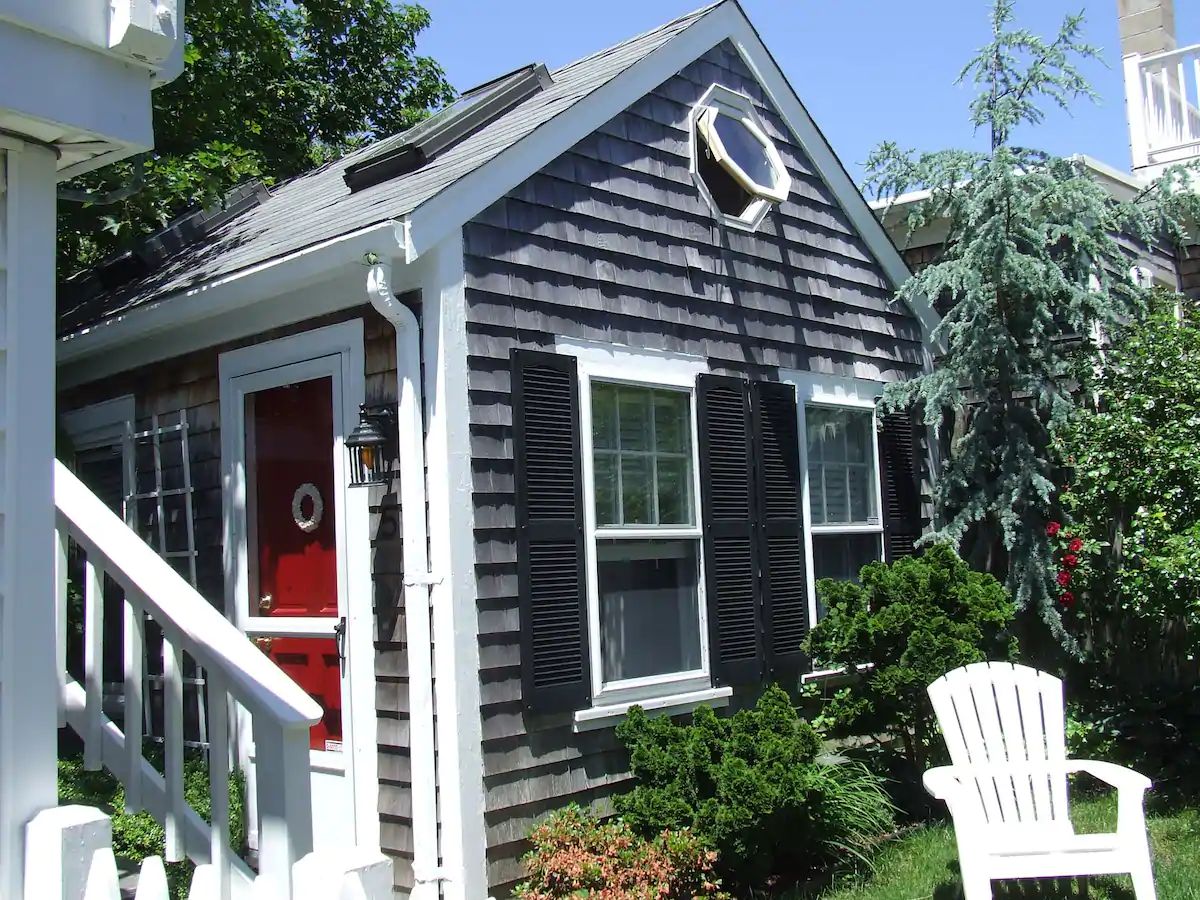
(265, 602)
(263, 643)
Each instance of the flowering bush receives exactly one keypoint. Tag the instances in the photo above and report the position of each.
(1076, 560)
(577, 856)
(1133, 463)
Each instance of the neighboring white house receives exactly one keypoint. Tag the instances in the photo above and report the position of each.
(1162, 99)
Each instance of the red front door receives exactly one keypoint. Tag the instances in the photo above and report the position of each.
(293, 561)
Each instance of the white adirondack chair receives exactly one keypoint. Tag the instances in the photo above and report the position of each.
(1007, 786)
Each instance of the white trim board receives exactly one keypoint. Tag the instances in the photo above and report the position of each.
(102, 424)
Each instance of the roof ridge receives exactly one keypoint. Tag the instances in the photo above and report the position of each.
(666, 26)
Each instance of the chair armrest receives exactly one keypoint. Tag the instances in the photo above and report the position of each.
(1111, 774)
(943, 783)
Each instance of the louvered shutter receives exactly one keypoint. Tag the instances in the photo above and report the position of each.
(899, 446)
(730, 545)
(780, 530)
(550, 532)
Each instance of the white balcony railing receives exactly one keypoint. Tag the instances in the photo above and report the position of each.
(1163, 91)
(237, 675)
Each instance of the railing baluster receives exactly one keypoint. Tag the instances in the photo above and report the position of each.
(284, 799)
(93, 665)
(60, 600)
(1183, 130)
(173, 746)
(1195, 117)
(218, 777)
(135, 665)
(1165, 84)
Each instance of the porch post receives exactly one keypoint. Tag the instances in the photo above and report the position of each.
(28, 680)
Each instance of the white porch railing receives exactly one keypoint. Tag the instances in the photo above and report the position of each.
(237, 673)
(1163, 91)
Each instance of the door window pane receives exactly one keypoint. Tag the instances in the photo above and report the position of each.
(642, 453)
(649, 608)
(841, 466)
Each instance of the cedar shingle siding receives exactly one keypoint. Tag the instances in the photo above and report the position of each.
(612, 242)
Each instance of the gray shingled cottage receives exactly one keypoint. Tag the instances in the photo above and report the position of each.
(619, 327)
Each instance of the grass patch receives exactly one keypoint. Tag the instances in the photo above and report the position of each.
(923, 865)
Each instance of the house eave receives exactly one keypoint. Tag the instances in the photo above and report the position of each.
(90, 353)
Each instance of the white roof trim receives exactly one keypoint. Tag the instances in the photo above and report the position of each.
(471, 194)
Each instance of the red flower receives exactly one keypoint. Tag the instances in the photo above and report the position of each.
(1070, 560)
(1076, 545)
(1064, 578)
(1053, 528)
(1067, 598)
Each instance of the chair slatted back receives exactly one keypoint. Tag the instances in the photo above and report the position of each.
(996, 714)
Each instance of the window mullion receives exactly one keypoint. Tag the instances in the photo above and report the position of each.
(620, 457)
(654, 459)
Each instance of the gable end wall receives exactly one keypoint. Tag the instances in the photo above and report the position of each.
(612, 242)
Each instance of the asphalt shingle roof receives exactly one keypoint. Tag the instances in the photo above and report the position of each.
(317, 206)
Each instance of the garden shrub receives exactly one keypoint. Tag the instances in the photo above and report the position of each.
(575, 855)
(912, 621)
(138, 836)
(751, 788)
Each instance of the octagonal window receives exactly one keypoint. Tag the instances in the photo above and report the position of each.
(735, 164)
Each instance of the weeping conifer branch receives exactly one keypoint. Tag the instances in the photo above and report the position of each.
(1031, 262)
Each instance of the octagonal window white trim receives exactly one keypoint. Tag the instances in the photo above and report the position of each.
(704, 132)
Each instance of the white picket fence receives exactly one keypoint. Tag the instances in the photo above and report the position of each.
(69, 856)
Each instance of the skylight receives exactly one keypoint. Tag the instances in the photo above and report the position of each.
(445, 128)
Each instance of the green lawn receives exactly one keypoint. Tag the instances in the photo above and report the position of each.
(924, 864)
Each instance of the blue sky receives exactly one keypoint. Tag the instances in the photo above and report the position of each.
(868, 70)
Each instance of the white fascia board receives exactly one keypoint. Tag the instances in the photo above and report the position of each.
(470, 195)
(174, 317)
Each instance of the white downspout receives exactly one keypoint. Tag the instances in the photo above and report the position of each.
(417, 581)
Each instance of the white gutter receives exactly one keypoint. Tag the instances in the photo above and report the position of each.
(234, 291)
(418, 581)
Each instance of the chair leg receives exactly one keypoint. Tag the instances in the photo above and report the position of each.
(1143, 879)
(979, 887)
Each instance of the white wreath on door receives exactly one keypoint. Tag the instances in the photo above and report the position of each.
(307, 491)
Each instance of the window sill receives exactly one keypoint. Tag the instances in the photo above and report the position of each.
(672, 704)
(834, 674)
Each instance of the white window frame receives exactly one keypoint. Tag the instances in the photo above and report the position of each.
(635, 367)
(833, 392)
(107, 424)
(720, 100)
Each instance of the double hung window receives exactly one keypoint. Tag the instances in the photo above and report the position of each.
(647, 597)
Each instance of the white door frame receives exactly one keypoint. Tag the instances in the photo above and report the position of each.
(336, 351)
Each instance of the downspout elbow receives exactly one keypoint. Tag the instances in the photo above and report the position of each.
(379, 290)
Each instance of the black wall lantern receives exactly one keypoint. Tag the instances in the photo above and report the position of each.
(372, 446)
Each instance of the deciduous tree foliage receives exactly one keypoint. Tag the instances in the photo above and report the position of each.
(1031, 256)
(271, 88)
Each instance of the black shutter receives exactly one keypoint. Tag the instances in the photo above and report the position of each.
(730, 548)
(780, 530)
(555, 674)
(899, 446)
